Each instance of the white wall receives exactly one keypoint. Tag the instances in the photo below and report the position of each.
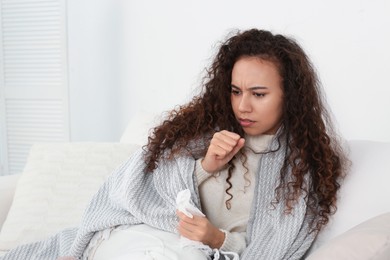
(95, 46)
(134, 55)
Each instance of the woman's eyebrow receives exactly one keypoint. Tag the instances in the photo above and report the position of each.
(258, 87)
(252, 88)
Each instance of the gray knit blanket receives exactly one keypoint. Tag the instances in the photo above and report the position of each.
(129, 197)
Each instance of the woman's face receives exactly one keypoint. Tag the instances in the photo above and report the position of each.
(257, 95)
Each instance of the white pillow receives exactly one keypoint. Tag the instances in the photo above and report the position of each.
(56, 185)
(369, 240)
(365, 192)
(139, 127)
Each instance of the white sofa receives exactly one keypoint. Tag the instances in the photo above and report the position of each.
(59, 179)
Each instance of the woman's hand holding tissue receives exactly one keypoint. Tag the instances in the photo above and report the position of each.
(199, 228)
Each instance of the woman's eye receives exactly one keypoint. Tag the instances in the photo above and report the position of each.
(235, 92)
(259, 94)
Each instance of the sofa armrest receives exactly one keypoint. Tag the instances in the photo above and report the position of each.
(7, 191)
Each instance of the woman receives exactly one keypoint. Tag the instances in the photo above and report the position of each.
(260, 85)
(255, 149)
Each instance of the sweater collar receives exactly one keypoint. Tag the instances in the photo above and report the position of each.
(258, 143)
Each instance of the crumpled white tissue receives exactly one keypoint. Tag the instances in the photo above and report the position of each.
(183, 204)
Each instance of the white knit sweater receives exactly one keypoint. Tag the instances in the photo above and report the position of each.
(212, 193)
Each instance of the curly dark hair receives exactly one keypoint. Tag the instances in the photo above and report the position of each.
(314, 156)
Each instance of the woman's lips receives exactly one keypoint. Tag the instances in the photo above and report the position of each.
(246, 122)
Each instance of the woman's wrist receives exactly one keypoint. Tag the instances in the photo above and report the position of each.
(200, 173)
(204, 166)
(218, 240)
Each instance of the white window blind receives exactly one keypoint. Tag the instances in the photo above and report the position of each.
(34, 88)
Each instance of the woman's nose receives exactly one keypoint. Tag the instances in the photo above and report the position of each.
(244, 105)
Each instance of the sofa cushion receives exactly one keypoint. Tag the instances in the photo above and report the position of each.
(369, 240)
(57, 183)
(365, 192)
